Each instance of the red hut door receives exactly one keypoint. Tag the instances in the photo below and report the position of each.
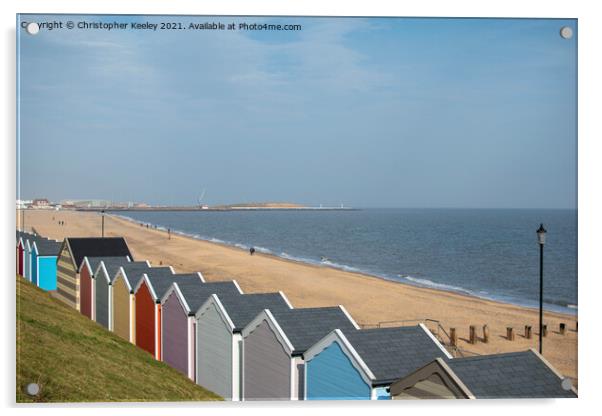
(20, 260)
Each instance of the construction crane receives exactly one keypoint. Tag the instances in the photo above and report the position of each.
(201, 206)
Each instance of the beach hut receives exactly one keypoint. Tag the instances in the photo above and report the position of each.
(72, 255)
(31, 275)
(87, 283)
(20, 250)
(24, 254)
(27, 256)
(361, 365)
(273, 344)
(103, 276)
(29, 240)
(43, 259)
(515, 375)
(32, 262)
(122, 306)
(149, 290)
(219, 324)
(178, 308)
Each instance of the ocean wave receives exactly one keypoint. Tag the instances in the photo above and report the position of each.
(211, 240)
(263, 250)
(571, 306)
(322, 262)
(435, 285)
(341, 266)
(297, 258)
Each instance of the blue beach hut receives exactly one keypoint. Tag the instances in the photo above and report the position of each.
(43, 263)
(273, 345)
(361, 365)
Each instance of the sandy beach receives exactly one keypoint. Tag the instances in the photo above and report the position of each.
(370, 300)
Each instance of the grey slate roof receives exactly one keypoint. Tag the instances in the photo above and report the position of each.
(392, 353)
(97, 247)
(510, 375)
(304, 327)
(161, 278)
(242, 309)
(133, 271)
(95, 262)
(25, 236)
(112, 264)
(32, 238)
(196, 292)
(48, 247)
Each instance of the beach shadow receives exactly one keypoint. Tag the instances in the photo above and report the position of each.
(466, 340)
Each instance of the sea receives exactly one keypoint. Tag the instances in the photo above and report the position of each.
(487, 253)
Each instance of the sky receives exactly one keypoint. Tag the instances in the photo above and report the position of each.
(376, 112)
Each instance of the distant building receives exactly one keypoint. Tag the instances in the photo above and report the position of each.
(23, 203)
(40, 203)
(86, 203)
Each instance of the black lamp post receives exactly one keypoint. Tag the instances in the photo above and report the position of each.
(103, 223)
(541, 238)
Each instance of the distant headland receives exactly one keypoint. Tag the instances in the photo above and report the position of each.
(103, 205)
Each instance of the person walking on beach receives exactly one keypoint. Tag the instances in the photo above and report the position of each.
(169, 233)
(252, 250)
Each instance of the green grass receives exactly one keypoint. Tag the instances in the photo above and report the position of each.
(74, 359)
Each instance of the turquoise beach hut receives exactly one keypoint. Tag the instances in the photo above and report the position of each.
(361, 365)
(43, 263)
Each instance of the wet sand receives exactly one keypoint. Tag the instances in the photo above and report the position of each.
(370, 300)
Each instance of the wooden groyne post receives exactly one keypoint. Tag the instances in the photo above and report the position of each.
(510, 333)
(528, 332)
(562, 328)
(545, 331)
(472, 334)
(453, 337)
(485, 333)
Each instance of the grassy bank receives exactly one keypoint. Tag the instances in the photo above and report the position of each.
(74, 359)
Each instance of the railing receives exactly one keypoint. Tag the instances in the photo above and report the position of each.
(438, 332)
